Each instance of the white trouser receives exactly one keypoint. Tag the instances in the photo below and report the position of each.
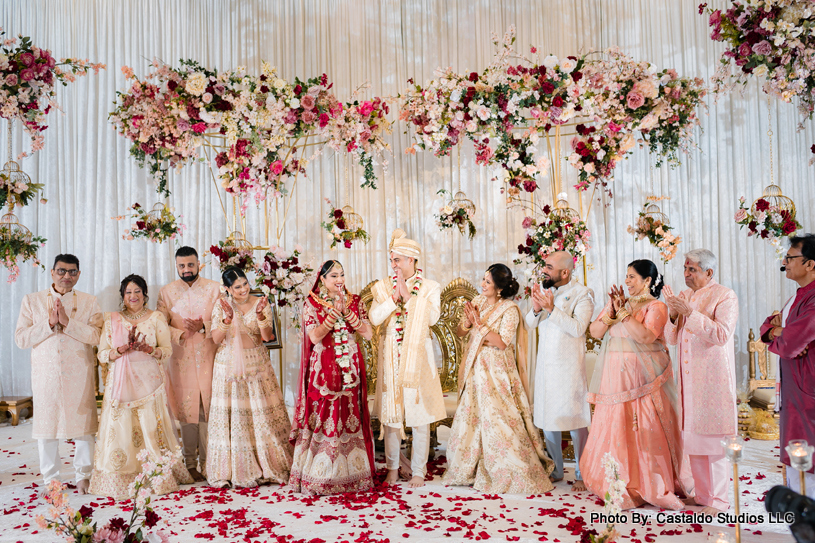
(794, 481)
(553, 447)
(194, 440)
(421, 449)
(50, 460)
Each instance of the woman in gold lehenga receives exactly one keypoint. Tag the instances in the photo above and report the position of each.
(248, 422)
(493, 444)
(135, 343)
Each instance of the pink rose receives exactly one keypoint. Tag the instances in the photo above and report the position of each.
(763, 48)
(323, 120)
(199, 128)
(307, 101)
(206, 98)
(277, 167)
(741, 215)
(715, 18)
(11, 80)
(527, 222)
(28, 74)
(182, 125)
(635, 99)
(745, 50)
(27, 59)
(308, 116)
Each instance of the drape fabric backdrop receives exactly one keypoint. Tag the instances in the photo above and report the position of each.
(89, 176)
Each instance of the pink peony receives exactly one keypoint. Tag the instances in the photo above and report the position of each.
(108, 535)
(741, 215)
(308, 116)
(277, 167)
(28, 74)
(27, 59)
(11, 80)
(199, 128)
(307, 101)
(527, 222)
(763, 48)
(634, 99)
(366, 108)
(323, 120)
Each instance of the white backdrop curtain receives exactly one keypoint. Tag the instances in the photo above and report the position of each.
(89, 176)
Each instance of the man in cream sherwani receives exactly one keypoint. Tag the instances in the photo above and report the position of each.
(408, 388)
(702, 324)
(560, 387)
(61, 326)
(187, 305)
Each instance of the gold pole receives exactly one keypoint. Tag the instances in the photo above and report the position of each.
(803, 482)
(217, 188)
(736, 499)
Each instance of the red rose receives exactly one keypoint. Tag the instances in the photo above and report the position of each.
(577, 76)
(221, 159)
(337, 213)
(764, 234)
(547, 88)
(140, 225)
(557, 101)
(789, 227)
(85, 511)
(28, 74)
(762, 205)
(264, 89)
(151, 518)
(298, 89)
(473, 77)
(530, 185)
(341, 224)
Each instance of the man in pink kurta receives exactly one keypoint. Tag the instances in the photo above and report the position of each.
(791, 335)
(702, 324)
(187, 305)
(61, 326)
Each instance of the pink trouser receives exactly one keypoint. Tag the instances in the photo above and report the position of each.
(711, 475)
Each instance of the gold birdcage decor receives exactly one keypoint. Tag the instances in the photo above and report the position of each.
(16, 188)
(460, 201)
(11, 229)
(562, 209)
(237, 241)
(353, 221)
(775, 198)
(653, 211)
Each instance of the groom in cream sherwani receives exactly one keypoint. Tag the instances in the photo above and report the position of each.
(561, 316)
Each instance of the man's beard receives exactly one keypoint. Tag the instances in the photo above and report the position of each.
(189, 278)
(547, 282)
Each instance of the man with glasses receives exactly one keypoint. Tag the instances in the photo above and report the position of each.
(61, 326)
(791, 335)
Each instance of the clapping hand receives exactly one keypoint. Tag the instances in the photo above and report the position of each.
(678, 306)
(542, 299)
(193, 325)
(139, 343)
(472, 314)
(617, 297)
(261, 305)
(228, 313)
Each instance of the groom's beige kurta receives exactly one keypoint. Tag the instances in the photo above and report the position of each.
(62, 362)
(425, 403)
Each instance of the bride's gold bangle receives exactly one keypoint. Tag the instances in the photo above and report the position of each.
(466, 328)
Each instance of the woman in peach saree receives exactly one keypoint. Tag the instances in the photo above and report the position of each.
(635, 398)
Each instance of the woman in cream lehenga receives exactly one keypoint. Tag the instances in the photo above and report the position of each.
(493, 443)
(635, 418)
(248, 422)
(135, 343)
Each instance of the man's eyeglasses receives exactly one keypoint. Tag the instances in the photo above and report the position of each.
(787, 258)
(62, 271)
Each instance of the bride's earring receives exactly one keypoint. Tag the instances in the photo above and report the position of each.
(323, 290)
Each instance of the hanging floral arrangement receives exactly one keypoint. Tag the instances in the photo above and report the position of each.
(456, 213)
(282, 276)
(769, 222)
(342, 228)
(28, 75)
(653, 227)
(232, 255)
(17, 246)
(157, 225)
(554, 232)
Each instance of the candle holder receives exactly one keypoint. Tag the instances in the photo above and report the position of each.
(734, 451)
(720, 537)
(800, 458)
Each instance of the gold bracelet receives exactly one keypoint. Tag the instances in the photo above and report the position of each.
(265, 323)
(354, 321)
(608, 321)
(466, 328)
(222, 326)
(622, 314)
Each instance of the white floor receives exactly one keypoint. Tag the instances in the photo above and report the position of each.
(199, 513)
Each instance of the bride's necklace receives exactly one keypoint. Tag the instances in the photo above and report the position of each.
(639, 298)
(134, 317)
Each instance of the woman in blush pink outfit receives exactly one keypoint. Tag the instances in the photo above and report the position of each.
(635, 417)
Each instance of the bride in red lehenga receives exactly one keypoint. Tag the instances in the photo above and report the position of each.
(331, 431)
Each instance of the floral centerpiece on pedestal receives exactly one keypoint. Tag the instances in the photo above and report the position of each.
(230, 255)
(652, 227)
(456, 213)
(336, 224)
(769, 222)
(157, 225)
(27, 78)
(79, 527)
(282, 276)
(553, 232)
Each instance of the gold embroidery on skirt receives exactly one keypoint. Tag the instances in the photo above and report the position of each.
(118, 458)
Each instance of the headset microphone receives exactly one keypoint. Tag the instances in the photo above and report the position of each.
(783, 268)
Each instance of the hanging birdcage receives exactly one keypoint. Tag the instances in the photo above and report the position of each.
(563, 210)
(773, 196)
(460, 201)
(13, 175)
(653, 212)
(11, 229)
(237, 241)
(353, 221)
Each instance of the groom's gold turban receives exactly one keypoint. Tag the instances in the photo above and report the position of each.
(400, 244)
